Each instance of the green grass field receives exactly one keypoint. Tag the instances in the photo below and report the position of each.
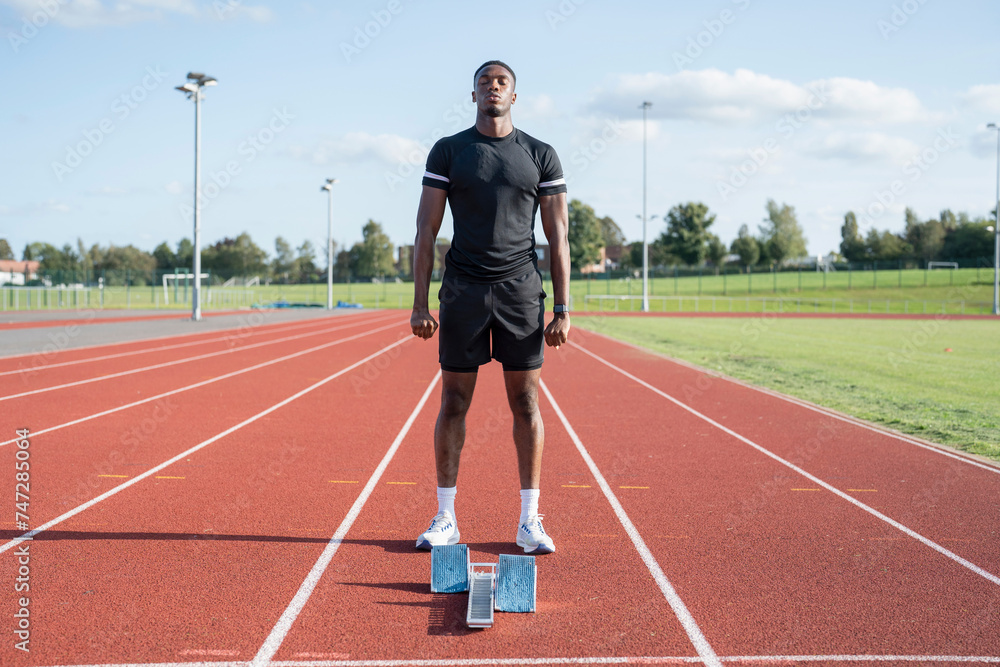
(891, 372)
(949, 291)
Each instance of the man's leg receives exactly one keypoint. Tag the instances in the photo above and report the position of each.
(529, 434)
(529, 438)
(449, 432)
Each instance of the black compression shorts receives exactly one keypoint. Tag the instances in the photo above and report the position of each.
(509, 314)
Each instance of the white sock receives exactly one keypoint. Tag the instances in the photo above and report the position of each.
(529, 503)
(446, 499)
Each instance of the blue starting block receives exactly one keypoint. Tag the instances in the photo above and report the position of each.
(509, 585)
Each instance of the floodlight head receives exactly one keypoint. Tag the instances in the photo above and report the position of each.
(990, 228)
(326, 187)
(209, 81)
(194, 76)
(992, 126)
(187, 88)
(331, 181)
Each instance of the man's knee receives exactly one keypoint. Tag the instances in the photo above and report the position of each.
(454, 403)
(524, 405)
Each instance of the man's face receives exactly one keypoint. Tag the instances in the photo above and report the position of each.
(494, 91)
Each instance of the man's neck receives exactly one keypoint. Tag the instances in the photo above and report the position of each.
(494, 126)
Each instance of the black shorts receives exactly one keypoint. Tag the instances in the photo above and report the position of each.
(510, 314)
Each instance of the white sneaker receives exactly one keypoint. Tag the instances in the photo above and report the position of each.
(443, 530)
(532, 537)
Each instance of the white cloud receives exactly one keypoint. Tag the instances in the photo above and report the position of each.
(538, 108)
(355, 147)
(862, 147)
(95, 13)
(174, 187)
(745, 97)
(984, 98)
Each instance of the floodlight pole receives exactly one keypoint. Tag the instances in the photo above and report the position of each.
(645, 246)
(192, 89)
(196, 290)
(329, 243)
(996, 230)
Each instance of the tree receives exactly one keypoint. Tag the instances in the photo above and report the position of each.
(284, 260)
(342, 267)
(781, 233)
(304, 266)
(185, 254)
(373, 256)
(969, 240)
(585, 240)
(164, 256)
(717, 252)
(852, 246)
(747, 247)
(121, 264)
(687, 236)
(235, 257)
(5, 250)
(886, 246)
(926, 238)
(611, 233)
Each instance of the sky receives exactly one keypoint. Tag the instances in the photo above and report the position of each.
(870, 106)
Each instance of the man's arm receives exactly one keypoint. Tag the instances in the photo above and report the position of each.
(555, 223)
(429, 216)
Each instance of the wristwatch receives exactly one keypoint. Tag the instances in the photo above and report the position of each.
(560, 308)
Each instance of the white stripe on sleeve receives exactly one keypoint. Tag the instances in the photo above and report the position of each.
(428, 174)
(549, 184)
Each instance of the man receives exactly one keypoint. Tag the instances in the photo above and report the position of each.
(495, 178)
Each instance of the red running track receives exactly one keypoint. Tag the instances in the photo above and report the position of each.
(267, 516)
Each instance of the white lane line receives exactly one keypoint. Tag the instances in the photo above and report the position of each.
(694, 633)
(250, 331)
(816, 480)
(284, 624)
(217, 378)
(232, 429)
(595, 660)
(937, 449)
(185, 360)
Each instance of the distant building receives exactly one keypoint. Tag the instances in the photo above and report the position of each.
(13, 272)
(610, 260)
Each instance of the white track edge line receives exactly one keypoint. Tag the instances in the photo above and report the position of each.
(177, 362)
(277, 327)
(944, 450)
(598, 660)
(687, 621)
(152, 471)
(857, 503)
(202, 383)
(277, 635)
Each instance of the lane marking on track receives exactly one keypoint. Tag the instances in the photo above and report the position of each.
(687, 621)
(812, 478)
(863, 490)
(169, 477)
(272, 329)
(576, 486)
(937, 449)
(232, 429)
(224, 376)
(185, 360)
(805, 489)
(633, 487)
(125, 476)
(284, 624)
(343, 481)
(595, 660)
(403, 483)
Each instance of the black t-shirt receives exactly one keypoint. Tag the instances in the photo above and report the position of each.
(493, 186)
